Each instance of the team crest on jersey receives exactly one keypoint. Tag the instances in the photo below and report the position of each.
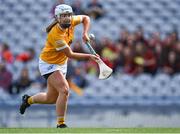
(50, 67)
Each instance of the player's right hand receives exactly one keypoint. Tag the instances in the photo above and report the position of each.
(85, 37)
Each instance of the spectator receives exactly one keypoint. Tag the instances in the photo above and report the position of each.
(167, 46)
(24, 80)
(174, 36)
(138, 58)
(156, 38)
(150, 62)
(70, 76)
(5, 78)
(108, 53)
(26, 56)
(79, 78)
(54, 6)
(118, 60)
(123, 36)
(170, 66)
(76, 75)
(127, 61)
(177, 50)
(5, 54)
(91, 68)
(77, 7)
(139, 35)
(95, 9)
(131, 40)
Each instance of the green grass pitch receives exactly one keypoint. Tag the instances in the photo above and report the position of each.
(90, 130)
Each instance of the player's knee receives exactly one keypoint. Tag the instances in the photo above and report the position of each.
(65, 89)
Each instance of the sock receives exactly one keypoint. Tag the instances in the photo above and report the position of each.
(60, 120)
(30, 100)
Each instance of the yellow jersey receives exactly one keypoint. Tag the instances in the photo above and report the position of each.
(58, 39)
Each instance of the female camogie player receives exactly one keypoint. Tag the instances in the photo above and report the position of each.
(53, 61)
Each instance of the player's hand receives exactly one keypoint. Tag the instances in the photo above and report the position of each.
(85, 37)
(97, 55)
(94, 57)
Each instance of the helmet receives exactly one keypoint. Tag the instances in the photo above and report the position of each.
(63, 8)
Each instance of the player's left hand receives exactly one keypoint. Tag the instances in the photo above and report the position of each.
(85, 37)
(94, 57)
(97, 55)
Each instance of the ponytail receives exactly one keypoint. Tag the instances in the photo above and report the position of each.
(50, 26)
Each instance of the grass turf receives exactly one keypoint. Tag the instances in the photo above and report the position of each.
(90, 130)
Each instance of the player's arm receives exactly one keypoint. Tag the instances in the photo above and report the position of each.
(85, 20)
(61, 45)
(69, 53)
(86, 26)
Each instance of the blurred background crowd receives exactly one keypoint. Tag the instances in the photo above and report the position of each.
(131, 52)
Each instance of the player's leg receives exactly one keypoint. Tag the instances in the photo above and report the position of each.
(49, 97)
(57, 79)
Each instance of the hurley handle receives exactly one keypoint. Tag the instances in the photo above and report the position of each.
(90, 48)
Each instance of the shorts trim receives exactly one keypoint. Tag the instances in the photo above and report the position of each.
(46, 76)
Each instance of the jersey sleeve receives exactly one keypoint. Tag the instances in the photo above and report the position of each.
(77, 19)
(60, 44)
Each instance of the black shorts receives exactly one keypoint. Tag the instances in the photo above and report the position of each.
(47, 75)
